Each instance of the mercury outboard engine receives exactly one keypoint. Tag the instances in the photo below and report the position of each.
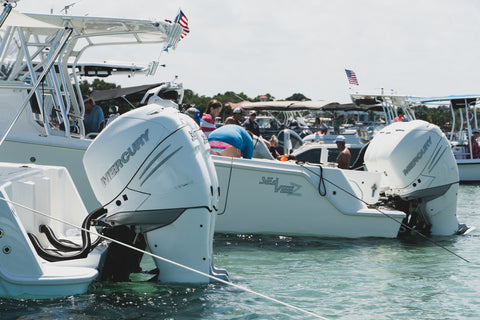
(419, 174)
(288, 140)
(152, 172)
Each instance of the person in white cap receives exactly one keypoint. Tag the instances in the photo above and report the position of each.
(235, 118)
(343, 159)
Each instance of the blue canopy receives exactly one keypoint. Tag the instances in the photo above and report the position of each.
(445, 98)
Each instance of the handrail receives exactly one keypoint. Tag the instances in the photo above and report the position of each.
(58, 91)
(66, 35)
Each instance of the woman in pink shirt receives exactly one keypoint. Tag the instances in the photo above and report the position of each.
(208, 119)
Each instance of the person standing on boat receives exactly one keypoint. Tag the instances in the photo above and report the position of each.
(400, 117)
(337, 123)
(474, 144)
(208, 119)
(93, 120)
(231, 141)
(235, 118)
(343, 159)
(251, 125)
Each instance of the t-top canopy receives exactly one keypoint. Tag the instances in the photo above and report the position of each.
(457, 101)
(142, 30)
(17, 19)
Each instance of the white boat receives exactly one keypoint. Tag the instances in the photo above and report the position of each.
(141, 167)
(409, 176)
(465, 107)
(143, 203)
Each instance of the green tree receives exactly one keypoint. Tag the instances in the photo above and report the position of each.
(297, 97)
(97, 84)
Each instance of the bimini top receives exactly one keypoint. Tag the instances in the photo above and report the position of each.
(304, 105)
(287, 105)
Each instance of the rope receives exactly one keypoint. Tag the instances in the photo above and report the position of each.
(170, 261)
(323, 179)
(228, 188)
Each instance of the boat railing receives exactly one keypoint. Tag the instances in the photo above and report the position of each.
(57, 103)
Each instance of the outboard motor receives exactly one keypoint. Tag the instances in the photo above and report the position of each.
(152, 172)
(288, 140)
(419, 174)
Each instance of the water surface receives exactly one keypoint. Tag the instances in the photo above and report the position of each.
(335, 278)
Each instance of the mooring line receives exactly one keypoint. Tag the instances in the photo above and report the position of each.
(170, 261)
(385, 214)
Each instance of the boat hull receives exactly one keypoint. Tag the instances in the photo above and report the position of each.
(49, 191)
(278, 198)
(469, 170)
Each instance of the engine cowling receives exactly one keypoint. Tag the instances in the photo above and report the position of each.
(414, 158)
(418, 166)
(150, 151)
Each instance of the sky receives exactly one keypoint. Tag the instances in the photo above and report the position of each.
(412, 47)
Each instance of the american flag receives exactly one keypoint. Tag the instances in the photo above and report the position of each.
(352, 77)
(182, 20)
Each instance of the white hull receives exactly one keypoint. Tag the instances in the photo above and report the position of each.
(269, 197)
(469, 170)
(23, 273)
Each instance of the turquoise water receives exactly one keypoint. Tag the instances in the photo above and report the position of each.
(334, 278)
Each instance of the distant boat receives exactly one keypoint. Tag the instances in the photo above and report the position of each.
(465, 107)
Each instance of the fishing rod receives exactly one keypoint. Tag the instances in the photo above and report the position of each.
(168, 261)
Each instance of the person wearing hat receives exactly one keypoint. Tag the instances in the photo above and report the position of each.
(343, 159)
(474, 144)
(93, 119)
(235, 118)
(195, 114)
(251, 125)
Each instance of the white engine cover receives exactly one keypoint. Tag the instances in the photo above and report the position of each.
(156, 151)
(414, 158)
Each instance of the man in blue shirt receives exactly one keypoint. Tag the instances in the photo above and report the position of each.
(93, 118)
(231, 140)
(251, 125)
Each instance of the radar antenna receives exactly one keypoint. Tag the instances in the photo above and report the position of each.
(68, 6)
